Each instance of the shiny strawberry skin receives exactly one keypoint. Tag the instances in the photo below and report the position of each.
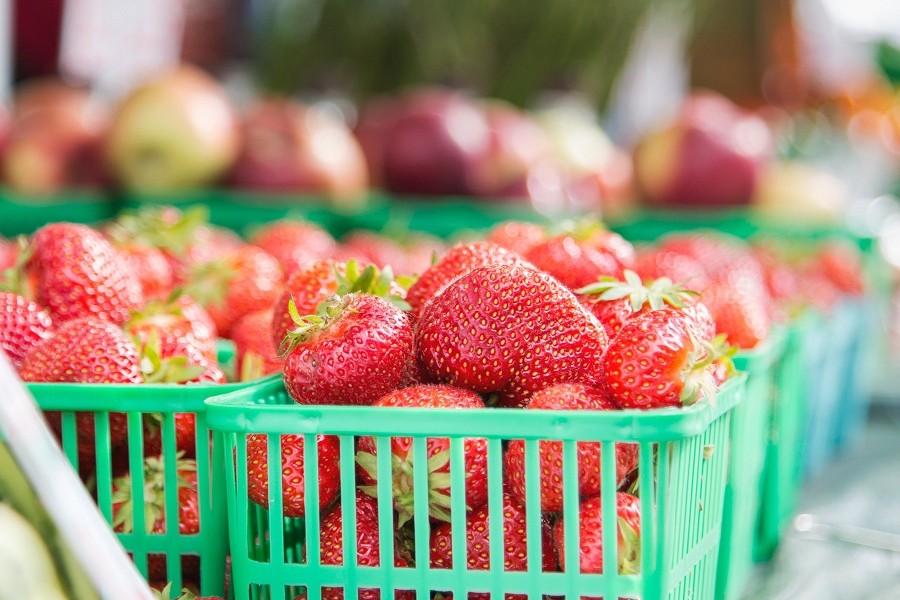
(152, 268)
(478, 543)
(628, 512)
(575, 264)
(308, 287)
(85, 350)
(654, 263)
(368, 551)
(460, 260)
(296, 245)
(517, 236)
(741, 315)
(612, 314)
(356, 359)
(643, 367)
(23, 324)
(252, 337)
(842, 265)
(293, 476)
(175, 332)
(566, 396)
(80, 274)
(511, 330)
(474, 449)
(256, 284)
(185, 436)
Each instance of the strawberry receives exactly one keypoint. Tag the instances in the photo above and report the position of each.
(78, 274)
(154, 511)
(23, 324)
(406, 253)
(509, 330)
(238, 283)
(740, 314)
(294, 244)
(841, 263)
(186, 594)
(293, 473)
(566, 396)
(517, 236)
(185, 434)
(368, 549)
(438, 455)
(654, 263)
(460, 260)
(310, 287)
(8, 253)
(658, 360)
(178, 322)
(256, 355)
(478, 540)
(590, 526)
(85, 350)
(153, 270)
(353, 351)
(582, 256)
(715, 252)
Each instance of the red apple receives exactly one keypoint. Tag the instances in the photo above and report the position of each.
(710, 156)
(517, 144)
(55, 137)
(177, 131)
(290, 147)
(430, 146)
(375, 118)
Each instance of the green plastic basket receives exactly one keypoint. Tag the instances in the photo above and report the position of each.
(23, 214)
(749, 436)
(682, 471)
(783, 471)
(130, 403)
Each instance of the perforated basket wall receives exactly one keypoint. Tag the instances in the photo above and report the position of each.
(683, 458)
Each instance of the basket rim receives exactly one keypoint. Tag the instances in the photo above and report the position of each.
(238, 412)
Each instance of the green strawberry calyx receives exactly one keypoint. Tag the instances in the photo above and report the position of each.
(629, 548)
(161, 227)
(172, 369)
(166, 594)
(403, 483)
(209, 282)
(699, 371)
(154, 493)
(15, 278)
(656, 294)
(370, 280)
(306, 326)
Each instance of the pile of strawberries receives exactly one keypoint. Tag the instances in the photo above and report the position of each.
(530, 318)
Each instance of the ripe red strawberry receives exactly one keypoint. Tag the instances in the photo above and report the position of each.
(475, 455)
(654, 263)
(295, 244)
(310, 287)
(78, 274)
(615, 301)
(255, 354)
(185, 435)
(841, 264)
(8, 253)
(152, 268)
(512, 330)
(292, 470)
(85, 350)
(23, 324)
(406, 253)
(628, 553)
(177, 323)
(460, 260)
(238, 283)
(354, 351)
(517, 236)
(566, 396)
(368, 549)
(741, 314)
(478, 540)
(658, 360)
(580, 258)
(714, 251)
(154, 508)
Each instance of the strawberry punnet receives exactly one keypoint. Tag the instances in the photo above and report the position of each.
(478, 543)
(460, 260)
(356, 349)
(293, 473)
(438, 455)
(78, 274)
(23, 324)
(566, 396)
(509, 330)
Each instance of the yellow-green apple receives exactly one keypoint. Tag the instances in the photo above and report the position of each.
(176, 131)
(796, 191)
(710, 155)
(290, 147)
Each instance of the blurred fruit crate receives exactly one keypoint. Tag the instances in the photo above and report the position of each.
(683, 461)
(93, 416)
(22, 214)
(749, 435)
(783, 470)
